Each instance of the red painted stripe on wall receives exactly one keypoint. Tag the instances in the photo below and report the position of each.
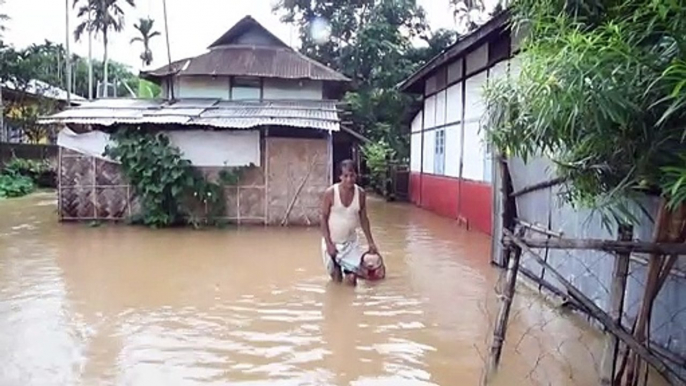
(414, 188)
(440, 195)
(444, 195)
(477, 205)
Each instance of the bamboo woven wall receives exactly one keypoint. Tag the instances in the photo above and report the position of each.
(93, 189)
(298, 171)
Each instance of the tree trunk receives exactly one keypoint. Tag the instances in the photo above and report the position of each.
(2, 117)
(105, 64)
(669, 228)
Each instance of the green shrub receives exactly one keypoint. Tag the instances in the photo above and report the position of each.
(171, 190)
(27, 167)
(378, 156)
(15, 185)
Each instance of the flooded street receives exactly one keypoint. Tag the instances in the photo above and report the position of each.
(118, 305)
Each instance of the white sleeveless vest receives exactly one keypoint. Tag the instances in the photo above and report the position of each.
(344, 221)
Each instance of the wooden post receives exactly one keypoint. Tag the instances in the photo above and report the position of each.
(500, 329)
(508, 210)
(266, 176)
(617, 293)
(60, 211)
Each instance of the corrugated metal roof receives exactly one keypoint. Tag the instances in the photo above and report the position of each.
(261, 61)
(233, 54)
(320, 115)
(40, 88)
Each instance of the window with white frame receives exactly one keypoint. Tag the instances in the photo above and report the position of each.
(439, 152)
(246, 88)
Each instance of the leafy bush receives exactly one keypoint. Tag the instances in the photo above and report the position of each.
(378, 156)
(15, 185)
(27, 167)
(601, 92)
(18, 177)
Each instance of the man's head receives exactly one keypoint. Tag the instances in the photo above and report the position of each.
(348, 173)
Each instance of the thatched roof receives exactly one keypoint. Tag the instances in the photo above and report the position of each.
(249, 49)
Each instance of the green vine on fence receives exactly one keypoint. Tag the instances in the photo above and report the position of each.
(171, 190)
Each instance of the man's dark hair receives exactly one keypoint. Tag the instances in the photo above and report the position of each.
(347, 164)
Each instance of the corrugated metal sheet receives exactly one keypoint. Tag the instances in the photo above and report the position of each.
(247, 123)
(320, 115)
(231, 55)
(270, 62)
(40, 88)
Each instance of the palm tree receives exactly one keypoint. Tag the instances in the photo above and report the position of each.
(145, 28)
(103, 17)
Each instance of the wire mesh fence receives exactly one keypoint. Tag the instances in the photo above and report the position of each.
(589, 277)
(546, 342)
(553, 339)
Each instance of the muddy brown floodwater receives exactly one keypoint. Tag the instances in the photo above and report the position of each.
(118, 305)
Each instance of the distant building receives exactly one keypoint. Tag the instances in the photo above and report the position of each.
(250, 99)
(451, 163)
(34, 98)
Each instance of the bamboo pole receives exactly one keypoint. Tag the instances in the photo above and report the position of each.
(539, 186)
(606, 320)
(500, 330)
(608, 246)
(617, 293)
(508, 210)
(538, 229)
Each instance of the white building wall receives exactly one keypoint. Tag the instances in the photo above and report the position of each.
(430, 112)
(453, 150)
(429, 144)
(203, 87)
(498, 72)
(466, 140)
(454, 96)
(474, 153)
(441, 108)
(417, 123)
(292, 89)
(416, 152)
(474, 103)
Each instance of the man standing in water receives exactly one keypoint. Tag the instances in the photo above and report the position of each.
(344, 209)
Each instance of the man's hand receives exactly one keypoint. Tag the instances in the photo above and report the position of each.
(373, 249)
(331, 250)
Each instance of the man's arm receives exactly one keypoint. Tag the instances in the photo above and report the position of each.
(364, 222)
(326, 211)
